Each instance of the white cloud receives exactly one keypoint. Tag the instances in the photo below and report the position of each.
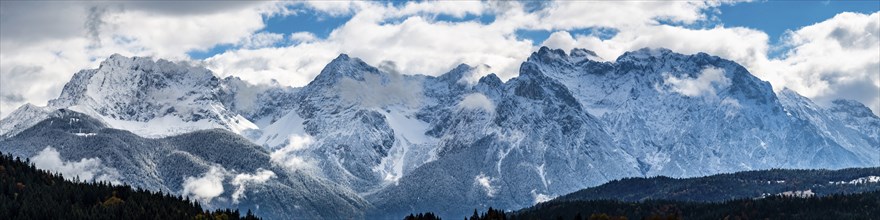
(422, 46)
(334, 8)
(704, 84)
(295, 65)
(477, 101)
(745, 46)
(241, 180)
(42, 45)
(207, 187)
(455, 9)
(486, 183)
(835, 58)
(416, 44)
(411, 37)
(261, 39)
(287, 156)
(161, 35)
(87, 169)
(389, 88)
(576, 14)
(302, 37)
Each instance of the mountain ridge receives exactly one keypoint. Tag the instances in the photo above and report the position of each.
(550, 131)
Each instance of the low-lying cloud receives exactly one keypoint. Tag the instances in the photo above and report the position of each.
(289, 156)
(244, 179)
(206, 187)
(705, 84)
(86, 169)
(477, 101)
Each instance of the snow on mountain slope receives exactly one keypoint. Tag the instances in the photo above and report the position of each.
(858, 117)
(277, 135)
(216, 167)
(413, 143)
(411, 148)
(261, 104)
(524, 141)
(690, 115)
(156, 98)
(361, 119)
(151, 98)
(834, 133)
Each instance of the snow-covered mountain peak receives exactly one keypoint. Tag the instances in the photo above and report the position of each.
(491, 80)
(546, 52)
(343, 66)
(456, 74)
(557, 56)
(151, 97)
(584, 53)
(644, 54)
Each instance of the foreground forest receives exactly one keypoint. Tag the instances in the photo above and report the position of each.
(29, 193)
(853, 206)
(729, 186)
(852, 193)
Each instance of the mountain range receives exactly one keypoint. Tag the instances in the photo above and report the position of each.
(372, 142)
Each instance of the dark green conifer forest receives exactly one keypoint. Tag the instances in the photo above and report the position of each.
(850, 206)
(29, 193)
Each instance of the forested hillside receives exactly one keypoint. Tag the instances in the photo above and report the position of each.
(852, 193)
(852, 206)
(739, 185)
(29, 193)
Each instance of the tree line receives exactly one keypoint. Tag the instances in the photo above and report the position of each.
(839, 206)
(30, 193)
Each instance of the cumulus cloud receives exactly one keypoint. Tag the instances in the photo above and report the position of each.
(42, 45)
(574, 14)
(241, 180)
(418, 43)
(206, 187)
(288, 157)
(704, 84)
(477, 101)
(370, 36)
(835, 58)
(743, 45)
(302, 37)
(261, 39)
(86, 169)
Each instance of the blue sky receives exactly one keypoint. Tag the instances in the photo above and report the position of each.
(775, 17)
